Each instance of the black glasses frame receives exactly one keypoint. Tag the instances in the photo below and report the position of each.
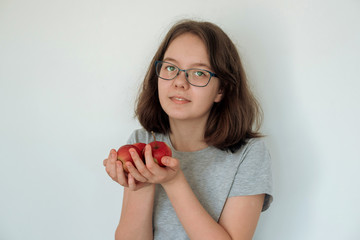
(186, 74)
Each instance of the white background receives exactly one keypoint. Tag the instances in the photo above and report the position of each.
(69, 75)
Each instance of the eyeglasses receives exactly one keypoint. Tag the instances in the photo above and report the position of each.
(195, 76)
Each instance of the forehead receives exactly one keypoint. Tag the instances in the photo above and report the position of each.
(188, 48)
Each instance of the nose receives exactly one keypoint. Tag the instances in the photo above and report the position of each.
(180, 80)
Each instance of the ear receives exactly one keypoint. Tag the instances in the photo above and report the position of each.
(219, 96)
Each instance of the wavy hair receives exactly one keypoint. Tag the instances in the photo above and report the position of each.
(233, 120)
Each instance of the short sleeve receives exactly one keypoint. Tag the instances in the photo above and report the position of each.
(254, 174)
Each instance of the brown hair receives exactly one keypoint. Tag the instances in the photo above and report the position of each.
(233, 120)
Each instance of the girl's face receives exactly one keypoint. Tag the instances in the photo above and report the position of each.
(179, 99)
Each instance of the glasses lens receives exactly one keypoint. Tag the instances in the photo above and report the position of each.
(166, 70)
(198, 77)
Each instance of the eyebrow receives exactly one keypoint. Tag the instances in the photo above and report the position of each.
(192, 65)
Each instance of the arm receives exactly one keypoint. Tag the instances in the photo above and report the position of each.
(241, 214)
(238, 219)
(138, 199)
(136, 214)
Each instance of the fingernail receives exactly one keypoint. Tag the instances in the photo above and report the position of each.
(132, 152)
(165, 160)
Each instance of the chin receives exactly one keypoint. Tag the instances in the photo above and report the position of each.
(178, 116)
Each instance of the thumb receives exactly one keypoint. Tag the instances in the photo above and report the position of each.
(169, 161)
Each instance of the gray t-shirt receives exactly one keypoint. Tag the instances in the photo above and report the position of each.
(214, 175)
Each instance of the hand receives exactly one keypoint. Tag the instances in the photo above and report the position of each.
(151, 172)
(115, 170)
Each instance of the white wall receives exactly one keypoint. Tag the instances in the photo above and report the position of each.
(69, 74)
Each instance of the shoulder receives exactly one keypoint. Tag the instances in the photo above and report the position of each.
(253, 147)
(257, 145)
(253, 159)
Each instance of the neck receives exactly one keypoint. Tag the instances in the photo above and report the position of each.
(187, 137)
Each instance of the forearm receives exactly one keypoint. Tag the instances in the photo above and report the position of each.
(196, 221)
(136, 214)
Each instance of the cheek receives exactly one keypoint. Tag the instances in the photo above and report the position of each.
(216, 93)
(204, 100)
(162, 91)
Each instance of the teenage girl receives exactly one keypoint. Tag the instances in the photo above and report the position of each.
(196, 98)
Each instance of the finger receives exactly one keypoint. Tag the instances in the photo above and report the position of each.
(139, 164)
(149, 160)
(109, 157)
(111, 170)
(113, 155)
(131, 182)
(110, 165)
(135, 173)
(134, 185)
(170, 162)
(121, 177)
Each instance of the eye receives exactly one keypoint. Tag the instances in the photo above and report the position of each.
(199, 73)
(170, 68)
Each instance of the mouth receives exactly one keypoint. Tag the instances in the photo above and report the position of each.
(179, 99)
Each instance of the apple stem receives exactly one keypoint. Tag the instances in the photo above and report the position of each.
(153, 134)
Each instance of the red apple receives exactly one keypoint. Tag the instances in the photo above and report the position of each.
(124, 156)
(140, 146)
(159, 150)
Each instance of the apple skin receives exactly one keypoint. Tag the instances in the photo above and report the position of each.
(140, 146)
(124, 156)
(159, 150)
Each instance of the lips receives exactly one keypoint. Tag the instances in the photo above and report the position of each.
(179, 99)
